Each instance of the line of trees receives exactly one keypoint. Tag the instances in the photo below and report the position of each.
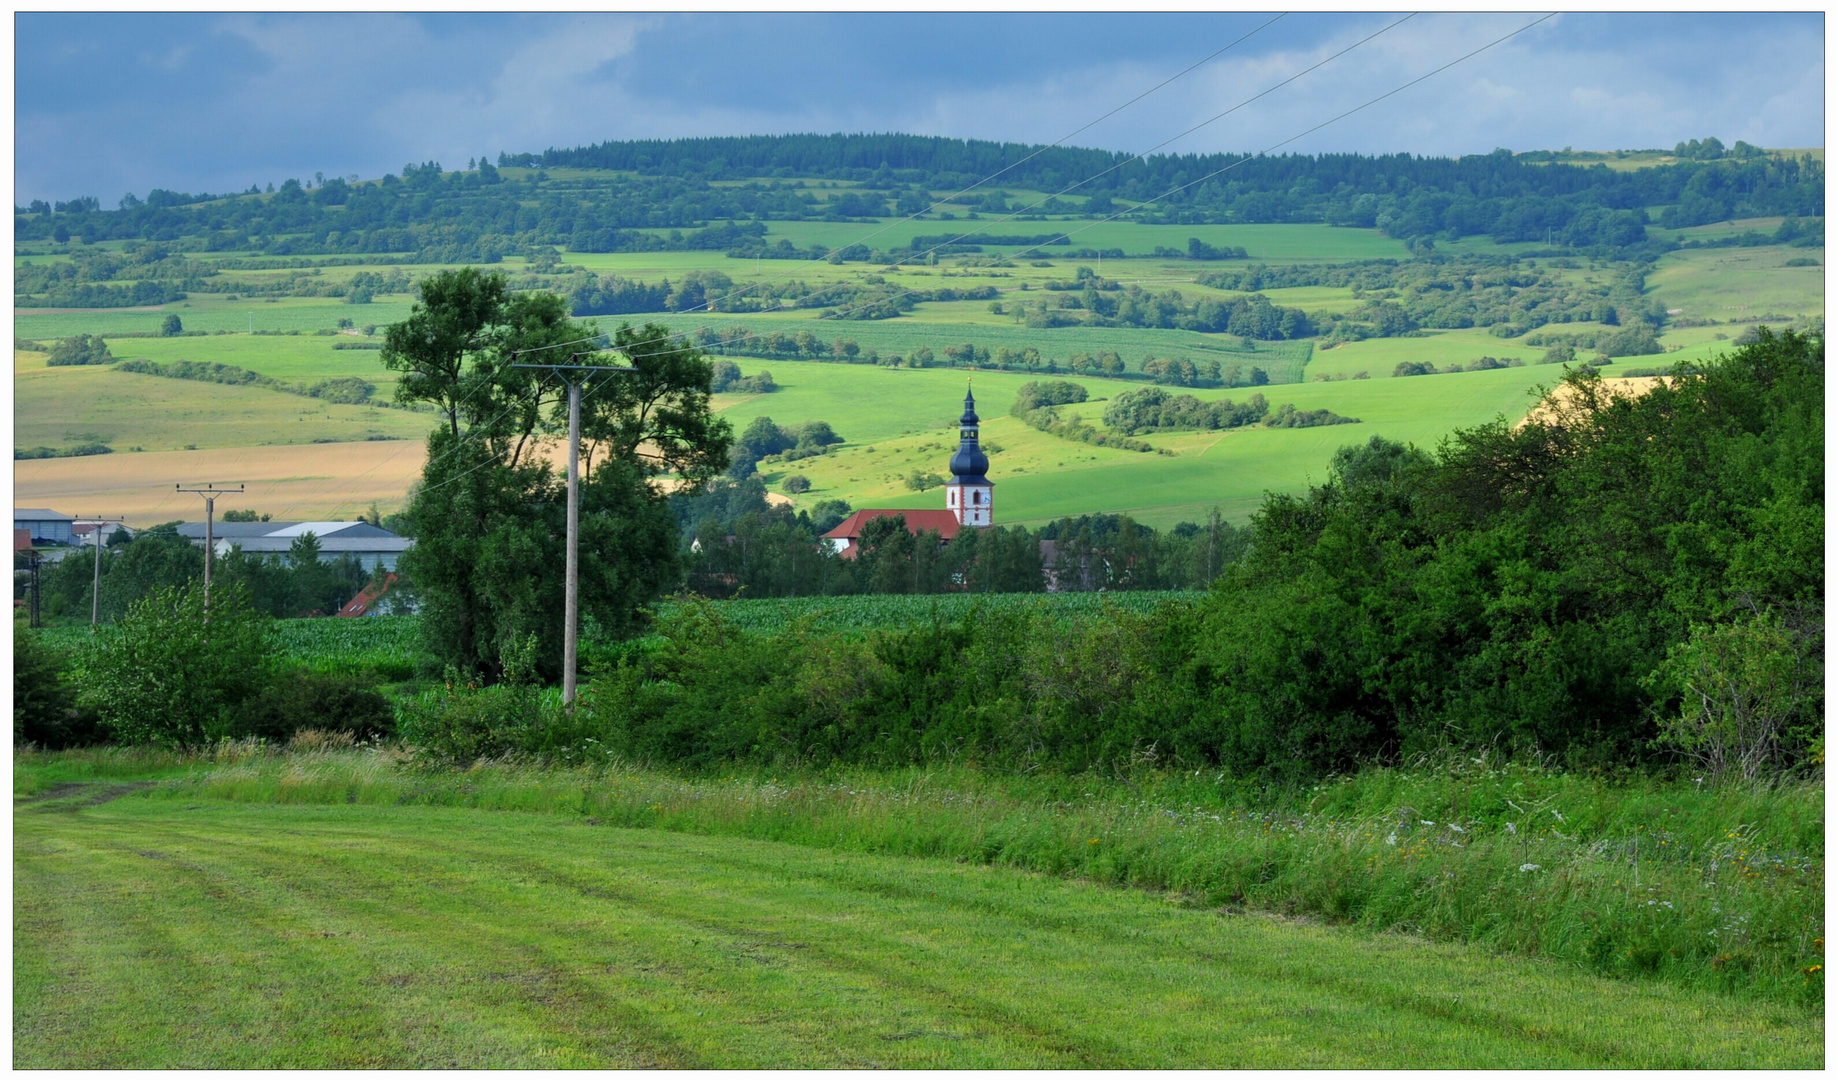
(478, 215)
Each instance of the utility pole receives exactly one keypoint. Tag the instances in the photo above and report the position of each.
(210, 493)
(95, 588)
(570, 634)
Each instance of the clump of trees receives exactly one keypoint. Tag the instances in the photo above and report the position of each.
(488, 514)
(80, 350)
(1620, 580)
(763, 439)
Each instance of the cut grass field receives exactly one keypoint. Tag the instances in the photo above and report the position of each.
(194, 932)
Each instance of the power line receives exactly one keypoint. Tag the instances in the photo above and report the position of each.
(1157, 198)
(1218, 172)
(1015, 165)
(1119, 165)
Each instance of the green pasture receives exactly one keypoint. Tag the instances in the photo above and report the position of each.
(62, 406)
(1378, 357)
(198, 933)
(1727, 284)
(211, 313)
(1283, 360)
(303, 359)
(1040, 477)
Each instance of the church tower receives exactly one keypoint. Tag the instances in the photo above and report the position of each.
(969, 495)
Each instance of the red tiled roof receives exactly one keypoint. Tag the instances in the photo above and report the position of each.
(943, 522)
(366, 598)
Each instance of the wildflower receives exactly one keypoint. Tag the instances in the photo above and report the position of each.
(1094, 840)
(1530, 866)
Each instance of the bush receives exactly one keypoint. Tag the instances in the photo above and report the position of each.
(165, 675)
(301, 700)
(462, 723)
(45, 712)
(1746, 690)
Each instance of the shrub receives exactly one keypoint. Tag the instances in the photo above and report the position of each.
(45, 711)
(462, 723)
(797, 484)
(299, 700)
(165, 675)
(1746, 688)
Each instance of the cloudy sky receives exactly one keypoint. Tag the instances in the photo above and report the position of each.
(108, 104)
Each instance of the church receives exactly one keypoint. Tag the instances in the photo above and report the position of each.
(969, 497)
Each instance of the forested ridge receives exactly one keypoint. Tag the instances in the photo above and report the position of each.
(482, 214)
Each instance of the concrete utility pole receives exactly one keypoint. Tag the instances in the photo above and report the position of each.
(95, 589)
(570, 635)
(210, 493)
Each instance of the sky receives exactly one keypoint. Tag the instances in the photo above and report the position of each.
(107, 104)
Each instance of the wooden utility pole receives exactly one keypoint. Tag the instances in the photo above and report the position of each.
(570, 634)
(95, 588)
(210, 493)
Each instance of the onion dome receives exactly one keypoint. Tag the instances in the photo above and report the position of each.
(969, 462)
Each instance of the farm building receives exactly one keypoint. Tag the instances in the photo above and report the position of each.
(369, 543)
(44, 526)
(84, 535)
(969, 496)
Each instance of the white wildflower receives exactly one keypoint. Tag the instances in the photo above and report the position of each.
(1528, 867)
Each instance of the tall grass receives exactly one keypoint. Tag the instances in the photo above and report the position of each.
(1719, 887)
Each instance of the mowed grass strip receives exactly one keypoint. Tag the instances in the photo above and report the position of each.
(157, 934)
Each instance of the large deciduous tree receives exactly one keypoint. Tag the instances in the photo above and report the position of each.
(489, 516)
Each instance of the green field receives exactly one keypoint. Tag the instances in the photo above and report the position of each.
(1729, 284)
(58, 407)
(210, 313)
(1039, 477)
(894, 419)
(191, 932)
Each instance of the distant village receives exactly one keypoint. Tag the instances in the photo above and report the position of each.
(45, 537)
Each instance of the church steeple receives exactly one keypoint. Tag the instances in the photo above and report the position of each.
(969, 494)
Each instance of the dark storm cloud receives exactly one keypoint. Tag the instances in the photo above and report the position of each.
(107, 104)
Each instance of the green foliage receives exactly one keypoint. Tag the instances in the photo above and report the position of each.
(299, 699)
(1516, 588)
(1154, 409)
(169, 673)
(79, 350)
(1751, 698)
(45, 712)
(488, 563)
(171, 326)
(1034, 395)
